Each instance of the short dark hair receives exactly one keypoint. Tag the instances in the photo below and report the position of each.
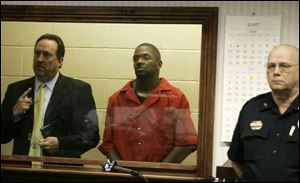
(154, 48)
(60, 52)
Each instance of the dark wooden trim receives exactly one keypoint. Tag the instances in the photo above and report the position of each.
(141, 166)
(207, 94)
(226, 174)
(164, 15)
(25, 168)
(207, 16)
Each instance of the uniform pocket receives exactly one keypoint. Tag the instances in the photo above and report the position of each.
(292, 150)
(255, 133)
(254, 141)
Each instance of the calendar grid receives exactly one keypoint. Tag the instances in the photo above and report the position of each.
(248, 40)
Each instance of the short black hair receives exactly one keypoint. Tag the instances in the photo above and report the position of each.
(60, 52)
(154, 48)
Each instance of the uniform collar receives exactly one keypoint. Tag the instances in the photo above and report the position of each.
(163, 86)
(129, 93)
(269, 103)
(295, 104)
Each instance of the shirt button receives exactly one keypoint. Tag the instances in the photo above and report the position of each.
(139, 143)
(139, 128)
(277, 134)
(274, 152)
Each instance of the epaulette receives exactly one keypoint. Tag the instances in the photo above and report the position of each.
(258, 97)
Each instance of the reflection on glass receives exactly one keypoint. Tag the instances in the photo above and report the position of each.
(102, 55)
(49, 114)
(148, 119)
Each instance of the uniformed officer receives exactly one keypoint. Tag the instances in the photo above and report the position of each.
(265, 144)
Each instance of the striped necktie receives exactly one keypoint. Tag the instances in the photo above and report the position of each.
(38, 112)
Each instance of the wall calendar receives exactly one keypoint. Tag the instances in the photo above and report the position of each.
(248, 40)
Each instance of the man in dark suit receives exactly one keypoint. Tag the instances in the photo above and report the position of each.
(69, 123)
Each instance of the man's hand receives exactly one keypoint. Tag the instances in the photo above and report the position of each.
(113, 156)
(179, 153)
(23, 104)
(238, 168)
(50, 143)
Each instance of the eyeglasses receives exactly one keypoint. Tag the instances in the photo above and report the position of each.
(284, 67)
(46, 55)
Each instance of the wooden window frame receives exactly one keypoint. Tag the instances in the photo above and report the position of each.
(206, 16)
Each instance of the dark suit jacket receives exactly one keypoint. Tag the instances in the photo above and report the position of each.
(71, 110)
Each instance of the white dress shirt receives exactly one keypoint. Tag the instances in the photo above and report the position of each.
(48, 92)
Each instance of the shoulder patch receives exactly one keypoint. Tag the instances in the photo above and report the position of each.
(258, 97)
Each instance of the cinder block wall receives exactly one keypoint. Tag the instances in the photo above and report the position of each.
(101, 54)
